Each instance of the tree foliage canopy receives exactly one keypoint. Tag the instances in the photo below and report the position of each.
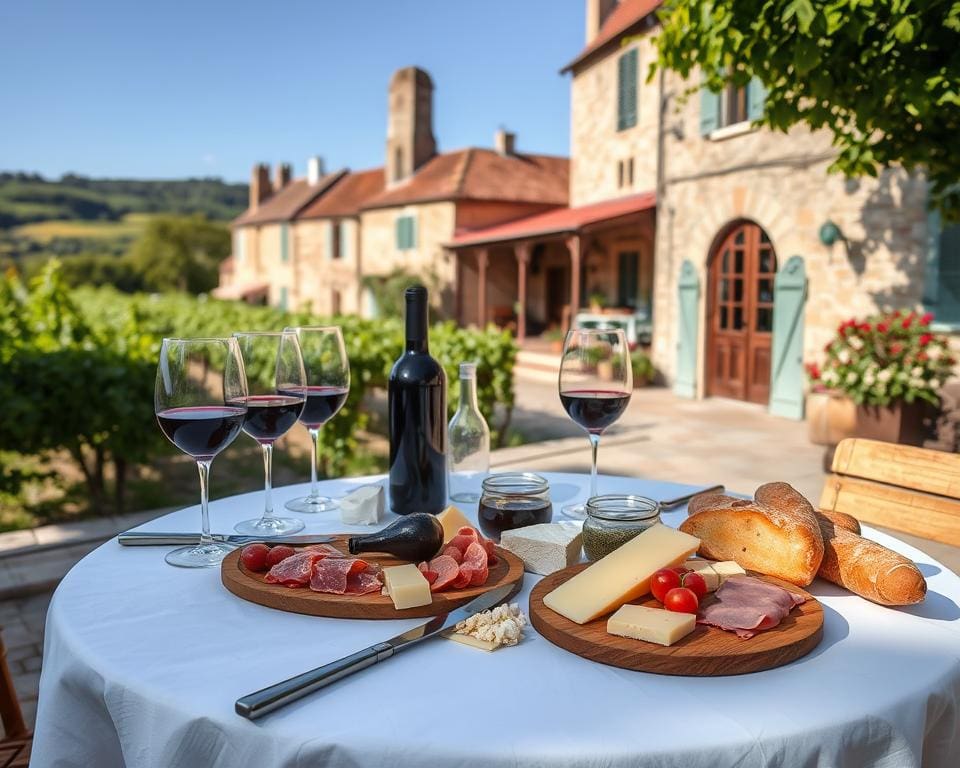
(181, 253)
(882, 75)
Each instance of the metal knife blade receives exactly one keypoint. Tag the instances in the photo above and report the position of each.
(262, 702)
(671, 503)
(157, 538)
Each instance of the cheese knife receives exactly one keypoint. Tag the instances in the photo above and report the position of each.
(157, 538)
(672, 503)
(255, 705)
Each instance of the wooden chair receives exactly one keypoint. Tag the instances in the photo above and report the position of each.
(914, 490)
(17, 739)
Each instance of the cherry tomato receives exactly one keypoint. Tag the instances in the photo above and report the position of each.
(695, 583)
(681, 600)
(278, 553)
(663, 581)
(254, 557)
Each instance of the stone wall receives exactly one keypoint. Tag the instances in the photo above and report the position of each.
(319, 275)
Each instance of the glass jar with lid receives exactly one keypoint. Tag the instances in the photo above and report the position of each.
(614, 519)
(513, 500)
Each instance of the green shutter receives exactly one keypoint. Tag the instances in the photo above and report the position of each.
(401, 229)
(628, 278)
(413, 231)
(756, 99)
(786, 374)
(284, 242)
(283, 299)
(627, 90)
(709, 111)
(688, 289)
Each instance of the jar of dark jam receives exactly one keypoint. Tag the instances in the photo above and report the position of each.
(513, 500)
(615, 519)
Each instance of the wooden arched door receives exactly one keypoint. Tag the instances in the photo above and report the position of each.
(740, 315)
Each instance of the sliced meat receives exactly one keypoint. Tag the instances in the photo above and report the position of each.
(447, 571)
(430, 576)
(747, 606)
(295, 570)
(326, 549)
(464, 574)
(475, 564)
(455, 552)
(491, 551)
(363, 582)
(747, 589)
(464, 538)
(332, 574)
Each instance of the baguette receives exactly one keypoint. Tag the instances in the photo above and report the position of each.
(841, 520)
(777, 534)
(868, 569)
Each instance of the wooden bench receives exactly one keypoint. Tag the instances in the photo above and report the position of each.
(914, 490)
(17, 739)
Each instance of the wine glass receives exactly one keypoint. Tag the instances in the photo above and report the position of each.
(277, 390)
(328, 384)
(596, 381)
(199, 402)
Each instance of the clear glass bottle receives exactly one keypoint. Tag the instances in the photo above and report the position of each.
(468, 444)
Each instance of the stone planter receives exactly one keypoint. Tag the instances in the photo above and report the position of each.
(831, 417)
(901, 422)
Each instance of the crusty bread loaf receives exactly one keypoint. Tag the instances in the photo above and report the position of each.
(869, 569)
(841, 520)
(777, 534)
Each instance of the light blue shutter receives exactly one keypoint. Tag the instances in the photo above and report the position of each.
(413, 231)
(709, 111)
(284, 242)
(786, 375)
(400, 227)
(685, 384)
(756, 99)
(283, 298)
(627, 90)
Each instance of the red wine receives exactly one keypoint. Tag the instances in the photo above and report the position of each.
(322, 405)
(201, 431)
(269, 417)
(417, 407)
(594, 409)
(499, 515)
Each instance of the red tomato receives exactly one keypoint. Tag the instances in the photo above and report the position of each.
(254, 556)
(695, 583)
(278, 553)
(663, 581)
(681, 600)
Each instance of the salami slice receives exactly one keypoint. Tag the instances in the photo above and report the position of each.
(295, 570)
(455, 552)
(430, 576)
(475, 563)
(447, 571)
(464, 538)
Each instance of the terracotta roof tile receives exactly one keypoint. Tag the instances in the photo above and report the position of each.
(288, 202)
(482, 174)
(347, 196)
(625, 15)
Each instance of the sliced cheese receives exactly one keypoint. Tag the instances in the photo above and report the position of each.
(715, 573)
(544, 548)
(621, 576)
(452, 520)
(655, 625)
(407, 586)
(473, 642)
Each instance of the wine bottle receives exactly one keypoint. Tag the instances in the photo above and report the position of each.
(417, 406)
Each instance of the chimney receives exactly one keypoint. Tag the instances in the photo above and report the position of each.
(282, 176)
(597, 12)
(260, 188)
(315, 170)
(410, 141)
(504, 141)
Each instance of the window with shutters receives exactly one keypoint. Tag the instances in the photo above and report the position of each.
(406, 233)
(627, 67)
(335, 232)
(733, 106)
(942, 294)
(284, 242)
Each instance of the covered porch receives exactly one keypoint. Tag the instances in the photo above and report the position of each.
(591, 265)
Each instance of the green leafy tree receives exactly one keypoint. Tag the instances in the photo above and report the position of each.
(181, 253)
(882, 75)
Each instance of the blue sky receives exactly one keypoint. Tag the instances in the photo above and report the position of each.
(207, 88)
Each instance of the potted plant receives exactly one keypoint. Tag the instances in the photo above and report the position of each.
(597, 300)
(643, 370)
(892, 368)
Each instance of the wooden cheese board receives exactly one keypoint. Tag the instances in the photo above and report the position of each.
(706, 652)
(252, 587)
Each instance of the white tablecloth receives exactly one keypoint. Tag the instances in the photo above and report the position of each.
(143, 663)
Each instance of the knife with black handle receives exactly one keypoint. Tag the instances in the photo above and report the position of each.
(158, 538)
(255, 705)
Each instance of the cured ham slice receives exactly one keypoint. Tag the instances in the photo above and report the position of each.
(748, 606)
(447, 570)
(475, 564)
(363, 582)
(294, 571)
(343, 575)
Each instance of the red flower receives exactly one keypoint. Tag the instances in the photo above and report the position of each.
(925, 339)
(906, 321)
(813, 371)
(865, 327)
(923, 357)
(925, 320)
(896, 348)
(882, 327)
(897, 313)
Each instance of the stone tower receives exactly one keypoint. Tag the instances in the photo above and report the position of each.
(410, 141)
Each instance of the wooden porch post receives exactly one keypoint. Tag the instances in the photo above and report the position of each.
(574, 246)
(483, 256)
(522, 252)
(458, 280)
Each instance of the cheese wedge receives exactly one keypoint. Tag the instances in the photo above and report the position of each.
(407, 586)
(452, 520)
(714, 574)
(655, 625)
(473, 642)
(621, 576)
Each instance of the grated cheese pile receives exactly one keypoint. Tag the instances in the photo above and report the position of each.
(502, 625)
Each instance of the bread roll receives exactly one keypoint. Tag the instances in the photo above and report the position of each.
(777, 534)
(869, 569)
(841, 520)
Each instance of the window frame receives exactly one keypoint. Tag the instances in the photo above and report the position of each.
(933, 287)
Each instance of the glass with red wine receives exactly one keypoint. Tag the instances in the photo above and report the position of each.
(328, 384)
(199, 399)
(277, 385)
(596, 381)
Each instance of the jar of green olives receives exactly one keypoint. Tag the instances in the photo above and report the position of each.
(614, 519)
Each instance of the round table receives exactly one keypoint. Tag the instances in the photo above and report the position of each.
(143, 663)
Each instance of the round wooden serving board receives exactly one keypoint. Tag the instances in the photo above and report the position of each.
(705, 652)
(251, 586)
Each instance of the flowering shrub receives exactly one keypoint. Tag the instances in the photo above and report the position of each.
(884, 359)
